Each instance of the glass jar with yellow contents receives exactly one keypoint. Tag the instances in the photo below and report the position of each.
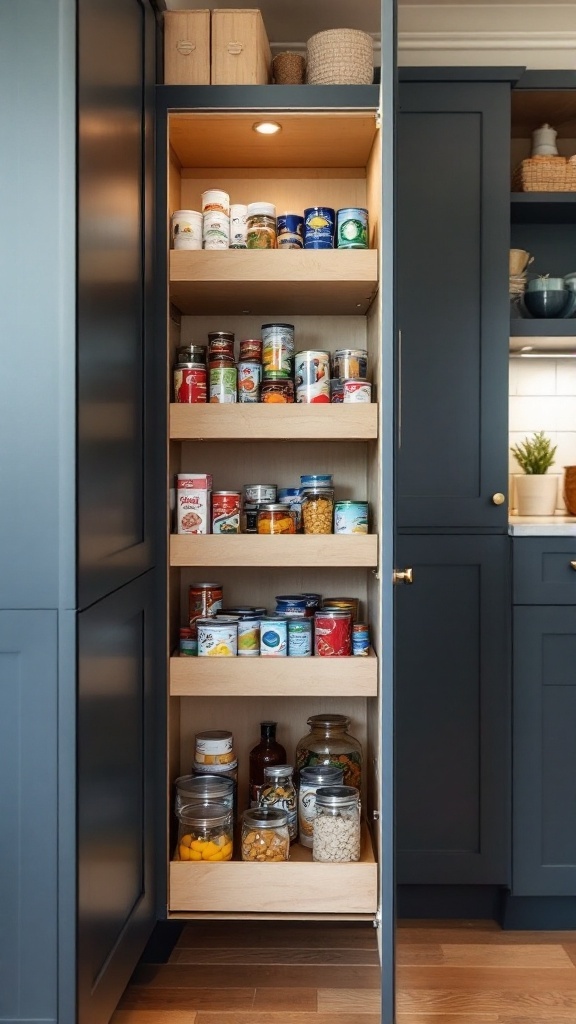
(205, 832)
(276, 518)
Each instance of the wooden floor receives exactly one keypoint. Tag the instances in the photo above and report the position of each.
(294, 973)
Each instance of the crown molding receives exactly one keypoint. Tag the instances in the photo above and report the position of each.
(492, 40)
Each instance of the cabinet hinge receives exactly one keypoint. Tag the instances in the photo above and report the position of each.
(377, 918)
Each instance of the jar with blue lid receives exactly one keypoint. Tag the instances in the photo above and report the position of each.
(316, 480)
(319, 225)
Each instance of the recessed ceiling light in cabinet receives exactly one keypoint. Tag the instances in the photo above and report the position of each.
(267, 127)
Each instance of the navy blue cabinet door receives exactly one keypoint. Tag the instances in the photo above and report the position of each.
(453, 308)
(453, 712)
(116, 61)
(544, 832)
(116, 771)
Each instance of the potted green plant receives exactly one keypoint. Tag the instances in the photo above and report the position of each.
(536, 492)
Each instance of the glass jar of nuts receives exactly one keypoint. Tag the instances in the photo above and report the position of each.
(337, 824)
(265, 835)
(317, 508)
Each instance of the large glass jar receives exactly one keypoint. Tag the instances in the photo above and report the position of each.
(317, 509)
(329, 742)
(337, 824)
(278, 791)
(205, 832)
(204, 789)
(265, 837)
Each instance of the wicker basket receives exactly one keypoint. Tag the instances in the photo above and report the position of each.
(545, 174)
(340, 56)
(288, 68)
(570, 489)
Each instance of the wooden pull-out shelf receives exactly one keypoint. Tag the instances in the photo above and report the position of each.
(274, 677)
(248, 549)
(260, 422)
(297, 886)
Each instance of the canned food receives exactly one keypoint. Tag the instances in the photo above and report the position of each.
(221, 343)
(238, 227)
(316, 480)
(351, 363)
(249, 377)
(311, 778)
(251, 349)
(290, 229)
(187, 229)
(313, 601)
(188, 647)
(215, 231)
(259, 492)
(273, 637)
(204, 601)
(351, 517)
(261, 226)
(216, 746)
(249, 518)
(191, 354)
(300, 637)
(312, 376)
(319, 227)
(291, 604)
(357, 391)
(277, 347)
(248, 636)
(352, 228)
(193, 502)
(332, 634)
(190, 383)
(336, 391)
(223, 383)
(217, 637)
(277, 388)
(226, 512)
(290, 496)
(360, 639)
(343, 604)
(216, 200)
(276, 518)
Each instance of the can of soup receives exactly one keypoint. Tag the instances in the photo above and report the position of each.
(215, 231)
(336, 391)
(217, 637)
(251, 350)
(225, 511)
(291, 605)
(290, 231)
(351, 517)
(352, 228)
(357, 391)
(351, 363)
(360, 640)
(204, 601)
(319, 227)
(332, 633)
(273, 637)
(248, 636)
(259, 492)
(249, 378)
(190, 382)
(223, 383)
(300, 637)
(277, 347)
(312, 376)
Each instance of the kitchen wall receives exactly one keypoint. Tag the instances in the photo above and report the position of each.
(543, 397)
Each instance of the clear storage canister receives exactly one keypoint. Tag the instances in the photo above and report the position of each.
(205, 832)
(317, 508)
(310, 780)
(278, 791)
(193, 789)
(276, 518)
(329, 742)
(337, 824)
(265, 838)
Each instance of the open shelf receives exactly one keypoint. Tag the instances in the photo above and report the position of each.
(248, 549)
(274, 677)
(552, 329)
(543, 207)
(304, 281)
(296, 886)
(261, 422)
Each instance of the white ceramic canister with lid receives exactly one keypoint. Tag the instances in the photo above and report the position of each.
(186, 229)
(238, 226)
(214, 200)
(544, 141)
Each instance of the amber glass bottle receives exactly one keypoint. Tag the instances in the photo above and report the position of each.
(267, 753)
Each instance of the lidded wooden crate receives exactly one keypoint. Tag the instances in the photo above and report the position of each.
(240, 48)
(187, 47)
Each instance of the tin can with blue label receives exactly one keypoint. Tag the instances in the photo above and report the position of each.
(300, 638)
(291, 605)
(360, 640)
(319, 227)
(290, 231)
(273, 637)
(352, 228)
(351, 517)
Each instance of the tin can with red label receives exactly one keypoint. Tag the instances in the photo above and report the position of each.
(226, 511)
(190, 382)
(249, 378)
(356, 391)
(204, 601)
(332, 634)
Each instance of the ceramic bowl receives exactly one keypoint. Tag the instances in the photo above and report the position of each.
(548, 302)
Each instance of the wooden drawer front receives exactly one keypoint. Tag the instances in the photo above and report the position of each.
(187, 47)
(240, 48)
(545, 570)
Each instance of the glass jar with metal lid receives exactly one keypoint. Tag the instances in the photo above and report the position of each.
(276, 518)
(205, 832)
(329, 742)
(278, 791)
(261, 226)
(277, 388)
(204, 789)
(317, 503)
(337, 824)
(265, 838)
(311, 779)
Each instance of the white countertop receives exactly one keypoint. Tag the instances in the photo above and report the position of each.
(542, 526)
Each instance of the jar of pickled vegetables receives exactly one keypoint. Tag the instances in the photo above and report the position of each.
(277, 388)
(205, 832)
(329, 742)
(265, 838)
(275, 518)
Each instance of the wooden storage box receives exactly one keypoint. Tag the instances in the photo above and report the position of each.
(187, 47)
(240, 48)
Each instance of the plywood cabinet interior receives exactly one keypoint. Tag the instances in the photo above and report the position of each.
(320, 158)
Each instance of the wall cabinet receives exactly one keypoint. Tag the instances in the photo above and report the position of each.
(544, 680)
(333, 300)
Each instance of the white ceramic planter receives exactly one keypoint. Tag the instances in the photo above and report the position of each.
(536, 495)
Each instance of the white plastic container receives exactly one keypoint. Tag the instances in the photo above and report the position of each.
(216, 230)
(186, 229)
(238, 226)
(214, 200)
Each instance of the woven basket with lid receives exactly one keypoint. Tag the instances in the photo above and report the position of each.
(340, 56)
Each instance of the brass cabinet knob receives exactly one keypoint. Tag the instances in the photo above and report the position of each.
(402, 576)
(498, 498)
(573, 565)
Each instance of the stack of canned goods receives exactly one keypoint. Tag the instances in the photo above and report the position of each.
(223, 225)
(301, 626)
(269, 370)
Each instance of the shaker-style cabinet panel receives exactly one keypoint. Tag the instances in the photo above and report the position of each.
(453, 712)
(453, 308)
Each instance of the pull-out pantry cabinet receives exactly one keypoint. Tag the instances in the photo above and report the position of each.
(327, 153)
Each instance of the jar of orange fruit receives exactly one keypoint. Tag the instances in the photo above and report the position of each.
(276, 518)
(205, 832)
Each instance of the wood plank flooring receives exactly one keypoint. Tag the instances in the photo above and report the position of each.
(233, 972)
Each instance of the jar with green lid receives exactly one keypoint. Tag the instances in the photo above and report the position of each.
(329, 742)
(261, 226)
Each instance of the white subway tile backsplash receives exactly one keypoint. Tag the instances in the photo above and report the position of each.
(566, 452)
(566, 378)
(533, 413)
(565, 412)
(535, 376)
